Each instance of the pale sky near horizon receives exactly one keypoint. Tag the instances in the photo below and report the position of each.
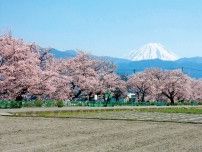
(106, 27)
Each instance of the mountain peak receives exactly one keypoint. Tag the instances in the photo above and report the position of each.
(152, 51)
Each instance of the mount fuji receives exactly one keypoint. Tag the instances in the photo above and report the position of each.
(152, 51)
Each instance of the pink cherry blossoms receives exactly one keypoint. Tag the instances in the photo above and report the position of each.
(159, 85)
(26, 70)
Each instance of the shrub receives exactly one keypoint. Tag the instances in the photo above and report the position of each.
(38, 103)
(59, 103)
(49, 103)
(161, 103)
(4, 104)
(194, 103)
(15, 104)
(28, 103)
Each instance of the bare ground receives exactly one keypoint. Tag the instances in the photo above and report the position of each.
(79, 135)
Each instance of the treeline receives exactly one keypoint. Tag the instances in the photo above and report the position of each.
(30, 72)
(27, 71)
(170, 86)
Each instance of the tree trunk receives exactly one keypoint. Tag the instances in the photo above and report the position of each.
(19, 98)
(172, 101)
(116, 98)
(142, 98)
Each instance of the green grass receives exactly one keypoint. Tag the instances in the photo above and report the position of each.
(97, 113)
(186, 110)
(69, 113)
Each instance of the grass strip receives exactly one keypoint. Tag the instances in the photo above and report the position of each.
(185, 110)
(100, 112)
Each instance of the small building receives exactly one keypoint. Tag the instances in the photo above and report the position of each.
(131, 95)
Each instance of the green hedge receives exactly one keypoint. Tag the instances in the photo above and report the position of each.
(4, 104)
(10, 104)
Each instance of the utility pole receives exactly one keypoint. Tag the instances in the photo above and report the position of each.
(182, 69)
(134, 71)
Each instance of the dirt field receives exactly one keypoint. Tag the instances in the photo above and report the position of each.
(57, 134)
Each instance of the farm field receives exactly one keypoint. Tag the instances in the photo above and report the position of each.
(102, 129)
(20, 134)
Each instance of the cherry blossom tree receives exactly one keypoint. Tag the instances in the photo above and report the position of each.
(140, 84)
(84, 79)
(109, 80)
(21, 72)
(89, 76)
(196, 86)
(176, 86)
(155, 84)
(113, 83)
(155, 75)
(19, 67)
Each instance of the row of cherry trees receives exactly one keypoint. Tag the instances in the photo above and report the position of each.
(26, 70)
(159, 85)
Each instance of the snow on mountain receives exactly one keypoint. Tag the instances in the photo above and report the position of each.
(152, 51)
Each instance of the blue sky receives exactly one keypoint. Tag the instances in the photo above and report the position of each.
(106, 27)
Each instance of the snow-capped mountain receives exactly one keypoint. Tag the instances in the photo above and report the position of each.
(152, 51)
